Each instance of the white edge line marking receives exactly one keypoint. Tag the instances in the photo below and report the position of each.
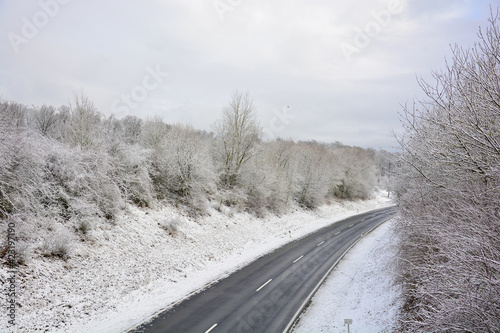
(320, 243)
(302, 307)
(264, 285)
(298, 259)
(211, 328)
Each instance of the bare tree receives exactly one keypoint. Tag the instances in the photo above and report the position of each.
(313, 172)
(83, 127)
(188, 162)
(132, 128)
(45, 120)
(154, 132)
(281, 172)
(237, 132)
(449, 189)
(354, 174)
(13, 114)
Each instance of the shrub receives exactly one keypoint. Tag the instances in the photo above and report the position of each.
(171, 226)
(131, 166)
(57, 244)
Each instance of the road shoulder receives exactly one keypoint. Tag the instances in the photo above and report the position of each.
(362, 288)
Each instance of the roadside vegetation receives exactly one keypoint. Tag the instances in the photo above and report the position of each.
(449, 192)
(67, 170)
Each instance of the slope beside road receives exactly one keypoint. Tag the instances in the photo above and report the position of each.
(128, 271)
(268, 294)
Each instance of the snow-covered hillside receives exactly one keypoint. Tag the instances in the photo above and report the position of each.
(125, 272)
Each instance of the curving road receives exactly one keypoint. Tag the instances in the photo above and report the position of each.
(270, 293)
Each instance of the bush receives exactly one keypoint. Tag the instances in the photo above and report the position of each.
(171, 226)
(132, 164)
(57, 245)
(182, 169)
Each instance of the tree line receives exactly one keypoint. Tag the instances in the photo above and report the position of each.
(74, 165)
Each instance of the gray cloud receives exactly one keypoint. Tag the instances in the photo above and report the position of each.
(282, 52)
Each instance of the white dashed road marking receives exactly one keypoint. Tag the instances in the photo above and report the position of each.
(298, 259)
(264, 285)
(211, 328)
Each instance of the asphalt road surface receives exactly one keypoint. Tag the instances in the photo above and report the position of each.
(270, 293)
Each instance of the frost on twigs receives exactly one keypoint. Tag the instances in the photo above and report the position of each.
(57, 245)
(237, 134)
(448, 192)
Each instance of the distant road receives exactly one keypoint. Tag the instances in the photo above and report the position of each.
(268, 294)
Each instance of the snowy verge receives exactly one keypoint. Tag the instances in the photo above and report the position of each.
(122, 273)
(362, 288)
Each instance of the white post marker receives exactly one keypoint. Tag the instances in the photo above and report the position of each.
(348, 322)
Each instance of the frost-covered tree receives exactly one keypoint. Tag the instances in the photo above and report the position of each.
(448, 192)
(113, 134)
(14, 115)
(132, 128)
(132, 164)
(281, 174)
(312, 173)
(188, 161)
(355, 173)
(237, 133)
(83, 126)
(153, 133)
(21, 169)
(45, 120)
(387, 164)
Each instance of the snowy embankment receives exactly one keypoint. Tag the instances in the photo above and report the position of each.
(362, 288)
(122, 273)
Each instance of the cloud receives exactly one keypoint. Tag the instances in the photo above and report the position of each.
(282, 52)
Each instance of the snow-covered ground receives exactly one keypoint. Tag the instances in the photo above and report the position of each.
(122, 273)
(362, 288)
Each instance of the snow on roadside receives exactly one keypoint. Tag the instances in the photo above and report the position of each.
(362, 288)
(123, 273)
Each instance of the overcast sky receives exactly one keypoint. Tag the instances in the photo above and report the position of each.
(323, 70)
